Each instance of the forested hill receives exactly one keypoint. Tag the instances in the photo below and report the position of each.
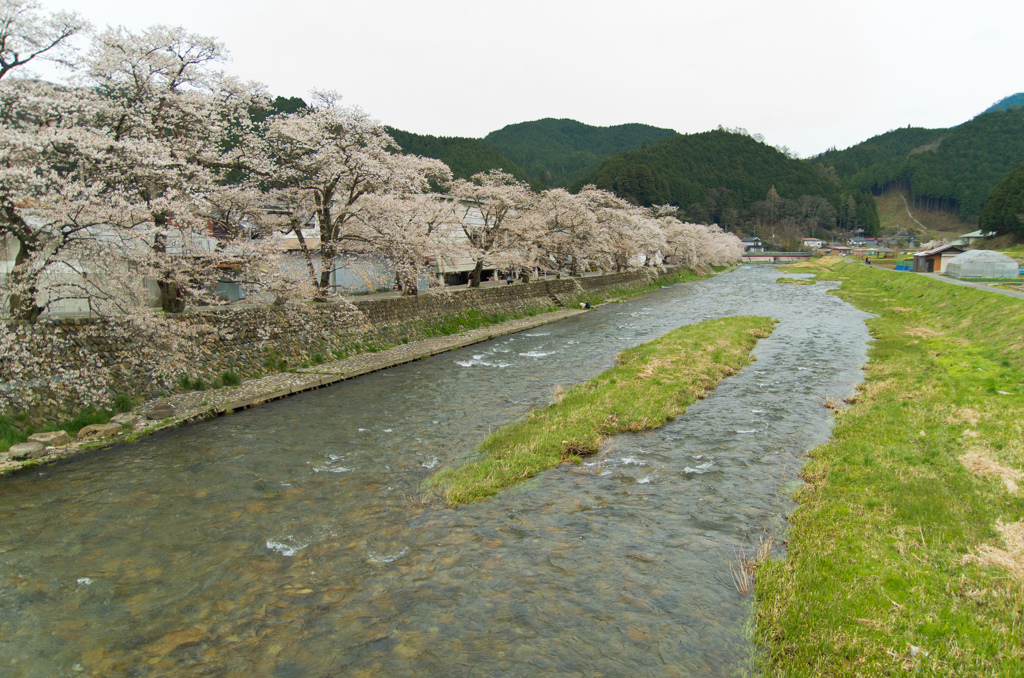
(556, 152)
(951, 169)
(726, 177)
(463, 155)
(897, 143)
(1014, 100)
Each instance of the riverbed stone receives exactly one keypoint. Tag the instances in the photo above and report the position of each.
(51, 438)
(31, 450)
(161, 411)
(127, 418)
(93, 431)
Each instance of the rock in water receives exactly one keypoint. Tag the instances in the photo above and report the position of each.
(51, 438)
(93, 431)
(31, 450)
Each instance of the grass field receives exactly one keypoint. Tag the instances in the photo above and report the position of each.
(906, 552)
(649, 385)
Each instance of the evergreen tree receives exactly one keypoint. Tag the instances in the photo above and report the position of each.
(1004, 208)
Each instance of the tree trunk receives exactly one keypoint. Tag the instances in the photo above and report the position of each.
(306, 254)
(24, 286)
(328, 253)
(23, 297)
(172, 299)
(474, 280)
(406, 281)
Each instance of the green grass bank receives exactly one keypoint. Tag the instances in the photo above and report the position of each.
(649, 385)
(906, 552)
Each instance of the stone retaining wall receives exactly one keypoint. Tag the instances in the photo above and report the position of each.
(251, 340)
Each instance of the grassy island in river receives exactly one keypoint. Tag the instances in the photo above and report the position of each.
(649, 385)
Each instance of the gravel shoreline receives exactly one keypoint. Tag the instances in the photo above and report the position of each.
(200, 405)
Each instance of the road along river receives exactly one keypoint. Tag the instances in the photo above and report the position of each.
(293, 539)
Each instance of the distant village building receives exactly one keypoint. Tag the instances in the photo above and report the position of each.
(834, 250)
(753, 245)
(936, 260)
(968, 239)
(813, 243)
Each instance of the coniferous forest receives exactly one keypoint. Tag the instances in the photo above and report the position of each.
(946, 169)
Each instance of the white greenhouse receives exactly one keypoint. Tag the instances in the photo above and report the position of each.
(982, 264)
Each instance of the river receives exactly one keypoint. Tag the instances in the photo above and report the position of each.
(293, 539)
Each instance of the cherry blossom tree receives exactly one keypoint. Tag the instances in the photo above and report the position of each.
(625, 233)
(327, 161)
(26, 34)
(409, 231)
(168, 116)
(568, 228)
(504, 236)
(691, 245)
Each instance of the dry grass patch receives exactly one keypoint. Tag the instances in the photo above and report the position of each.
(1011, 558)
(981, 465)
(965, 415)
(874, 389)
(925, 332)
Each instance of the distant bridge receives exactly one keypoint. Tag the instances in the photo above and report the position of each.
(775, 257)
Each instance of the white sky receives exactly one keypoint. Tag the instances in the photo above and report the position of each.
(808, 74)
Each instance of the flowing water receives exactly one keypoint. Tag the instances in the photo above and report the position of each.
(293, 539)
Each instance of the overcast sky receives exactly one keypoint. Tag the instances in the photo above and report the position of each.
(806, 74)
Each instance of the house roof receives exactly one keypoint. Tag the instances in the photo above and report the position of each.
(938, 250)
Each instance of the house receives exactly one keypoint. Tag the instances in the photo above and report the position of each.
(752, 245)
(360, 272)
(857, 241)
(813, 243)
(835, 250)
(72, 286)
(968, 239)
(936, 260)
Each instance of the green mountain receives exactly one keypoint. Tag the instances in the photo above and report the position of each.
(1012, 101)
(1004, 208)
(946, 169)
(463, 155)
(727, 177)
(897, 143)
(557, 152)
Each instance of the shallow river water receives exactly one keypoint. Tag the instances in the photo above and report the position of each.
(293, 539)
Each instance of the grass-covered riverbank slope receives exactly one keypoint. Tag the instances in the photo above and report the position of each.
(649, 385)
(906, 553)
